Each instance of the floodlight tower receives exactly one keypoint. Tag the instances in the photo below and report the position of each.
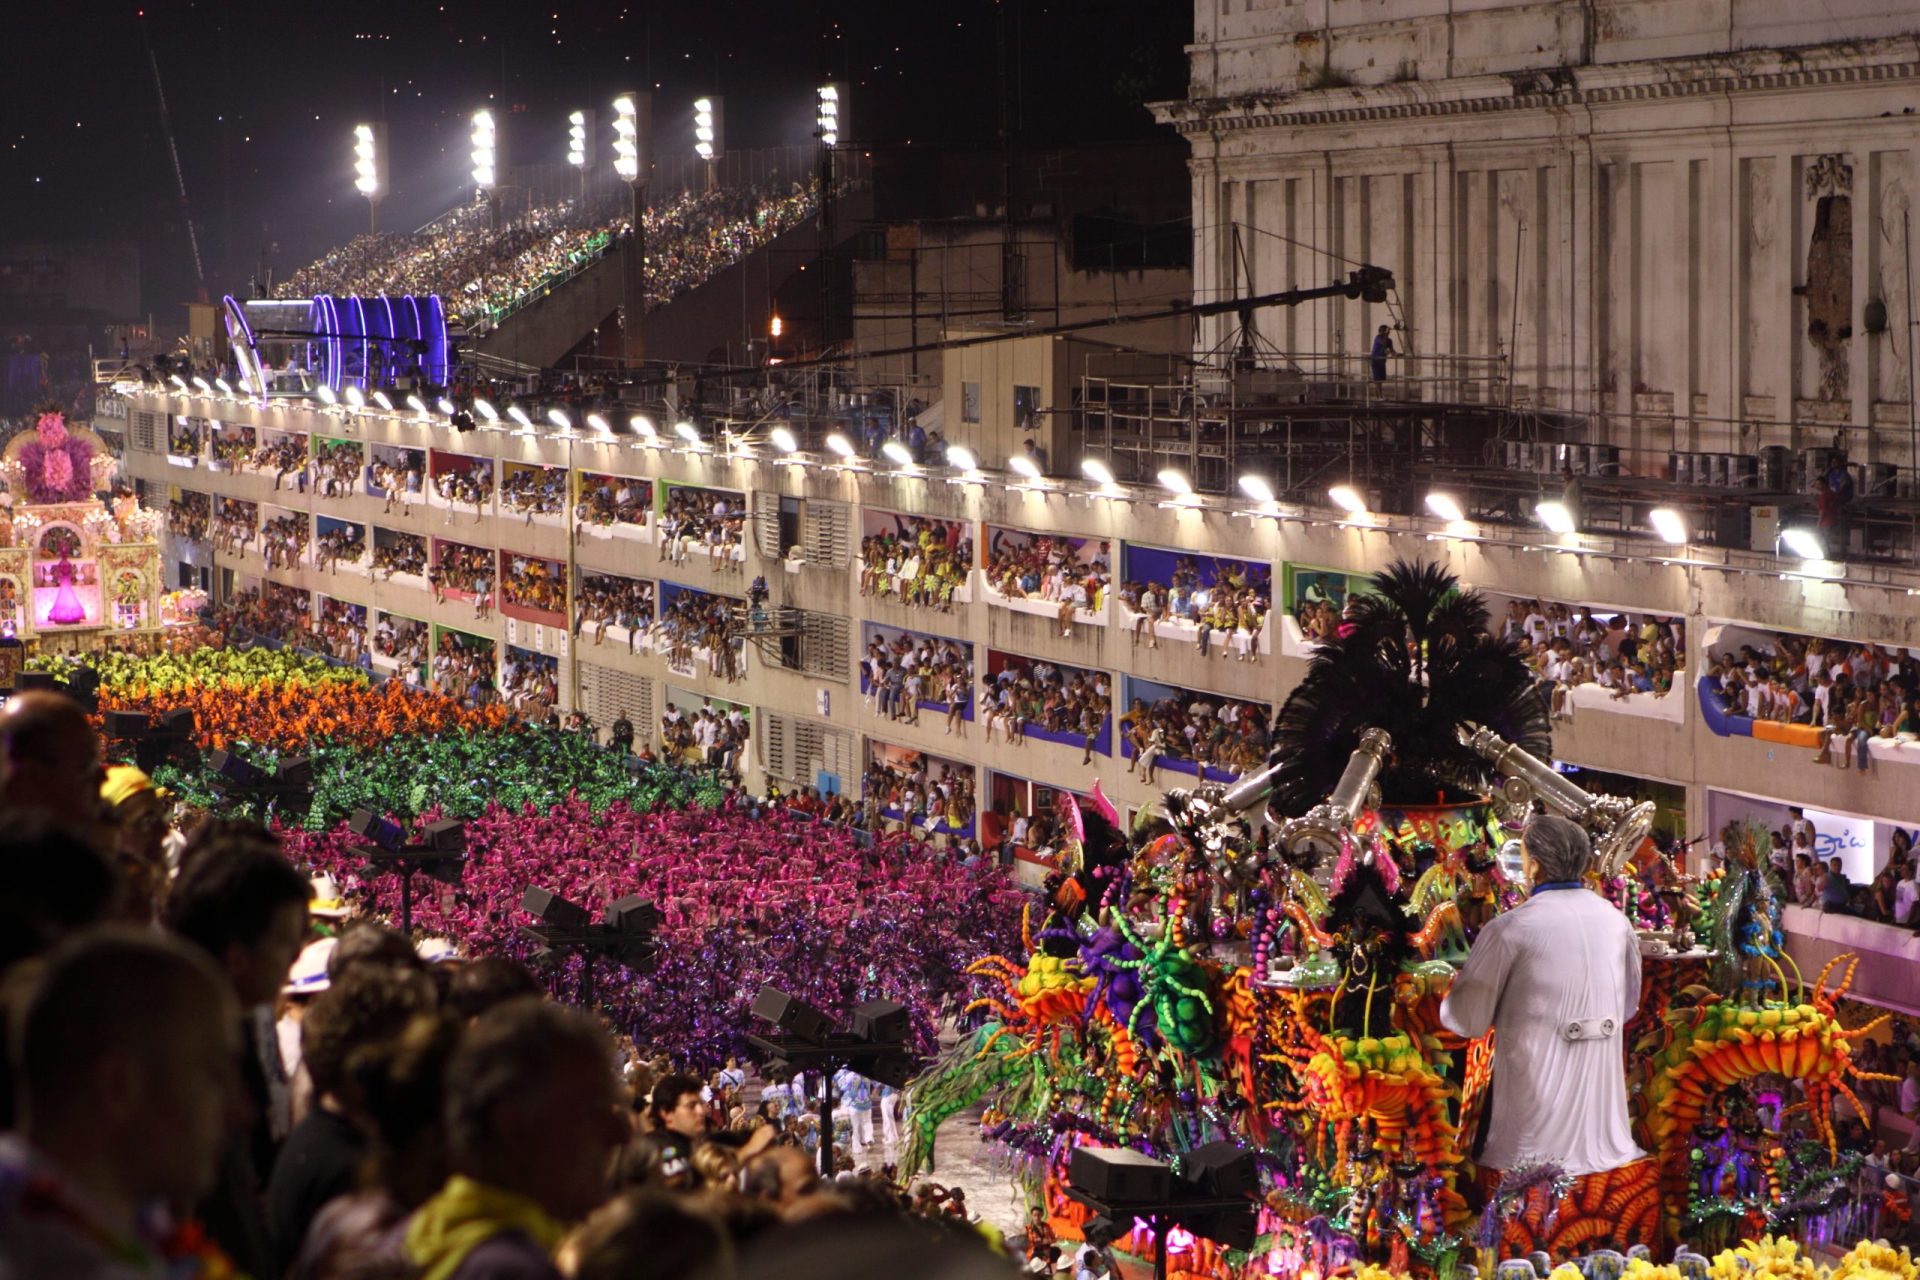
(485, 154)
(579, 135)
(370, 168)
(830, 118)
(633, 160)
(709, 133)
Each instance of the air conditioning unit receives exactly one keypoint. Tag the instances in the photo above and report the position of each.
(1764, 527)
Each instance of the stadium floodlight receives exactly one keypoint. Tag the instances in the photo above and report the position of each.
(1256, 488)
(1175, 482)
(643, 427)
(519, 415)
(486, 410)
(446, 406)
(484, 150)
(840, 445)
(827, 117)
(559, 418)
(366, 160)
(225, 389)
(708, 127)
(1555, 516)
(784, 441)
(379, 398)
(961, 458)
(599, 424)
(356, 398)
(1097, 471)
(1669, 524)
(418, 405)
(1802, 542)
(630, 121)
(1347, 498)
(897, 453)
(178, 381)
(206, 388)
(579, 129)
(1020, 464)
(1446, 506)
(326, 395)
(687, 431)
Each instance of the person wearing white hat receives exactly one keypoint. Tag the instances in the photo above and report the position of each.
(305, 980)
(327, 903)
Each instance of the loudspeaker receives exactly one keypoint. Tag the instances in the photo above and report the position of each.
(893, 1070)
(446, 836)
(1115, 1175)
(1221, 1169)
(792, 1015)
(1234, 1228)
(178, 721)
(294, 771)
(27, 681)
(120, 724)
(632, 914)
(880, 1022)
(554, 910)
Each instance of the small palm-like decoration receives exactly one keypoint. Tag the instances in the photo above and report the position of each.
(1414, 658)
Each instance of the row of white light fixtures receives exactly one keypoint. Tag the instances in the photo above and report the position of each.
(484, 151)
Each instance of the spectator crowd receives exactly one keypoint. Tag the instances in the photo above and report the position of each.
(1034, 693)
(1043, 567)
(610, 500)
(1210, 732)
(1852, 694)
(900, 671)
(608, 601)
(920, 564)
(1230, 609)
(1569, 646)
(712, 519)
(935, 796)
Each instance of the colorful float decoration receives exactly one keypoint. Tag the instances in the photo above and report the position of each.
(75, 569)
(1198, 981)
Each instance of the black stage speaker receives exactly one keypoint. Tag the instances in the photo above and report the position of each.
(1115, 1175)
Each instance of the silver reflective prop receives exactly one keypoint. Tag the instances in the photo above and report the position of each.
(1617, 824)
(1318, 833)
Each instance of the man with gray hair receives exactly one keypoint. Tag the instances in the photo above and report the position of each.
(1557, 977)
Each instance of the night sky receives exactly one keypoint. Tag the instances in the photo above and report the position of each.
(263, 97)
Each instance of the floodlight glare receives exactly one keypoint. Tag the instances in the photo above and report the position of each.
(445, 406)
(1804, 543)
(577, 139)
(366, 161)
(1096, 471)
(706, 127)
(418, 405)
(1256, 487)
(840, 445)
(326, 395)
(687, 431)
(203, 384)
(1669, 524)
(1175, 482)
(1555, 516)
(897, 453)
(626, 137)
(1347, 498)
(355, 397)
(783, 440)
(559, 418)
(379, 398)
(519, 415)
(178, 381)
(1023, 465)
(1446, 506)
(958, 455)
(486, 410)
(643, 426)
(599, 424)
(483, 149)
(827, 114)
(221, 383)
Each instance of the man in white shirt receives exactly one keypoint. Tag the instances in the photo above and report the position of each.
(1557, 977)
(1906, 896)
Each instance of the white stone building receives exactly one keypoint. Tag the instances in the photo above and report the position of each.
(1683, 217)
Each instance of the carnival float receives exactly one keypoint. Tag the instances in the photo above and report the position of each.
(1205, 983)
(75, 569)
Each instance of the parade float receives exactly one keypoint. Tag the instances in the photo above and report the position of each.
(75, 570)
(1208, 988)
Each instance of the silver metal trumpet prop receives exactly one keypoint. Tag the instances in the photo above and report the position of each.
(1318, 833)
(1617, 824)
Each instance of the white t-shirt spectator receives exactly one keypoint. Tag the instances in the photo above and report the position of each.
(1906, 893)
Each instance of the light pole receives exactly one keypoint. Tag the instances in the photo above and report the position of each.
(485, 153)
(632, 158)
(829, 119)
(370, 169)
(579, 130)
(709, 133)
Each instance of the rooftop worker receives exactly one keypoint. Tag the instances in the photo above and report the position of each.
(1557, 977)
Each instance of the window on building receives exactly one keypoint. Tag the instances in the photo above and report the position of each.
(969, 402)
(1026, 408)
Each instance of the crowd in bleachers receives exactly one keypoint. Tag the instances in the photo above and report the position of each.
(283, 457)
(1043, 567)
(483, 273)
(283, 540)
(605, 600)
(707, 737)
(903, 670)
(274, 614)
(1231, 609)
(1570, 645)
(404, 640)
(713, 519)
(695, 620)
(342, 542)
(340, 632)
(336, 467)
(607, 500)
(1032, 692)
(189, 515)
(530, 683)
(184, 437)
(235, 523)
(462, 568)
(234, 446)
(924, 796)
(401, 553)
(399, 474)
(1852, 694)
(532, 583)
(469, 485)
(463, 667)
(534, 491)
(922, 564)
(1210, 731)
